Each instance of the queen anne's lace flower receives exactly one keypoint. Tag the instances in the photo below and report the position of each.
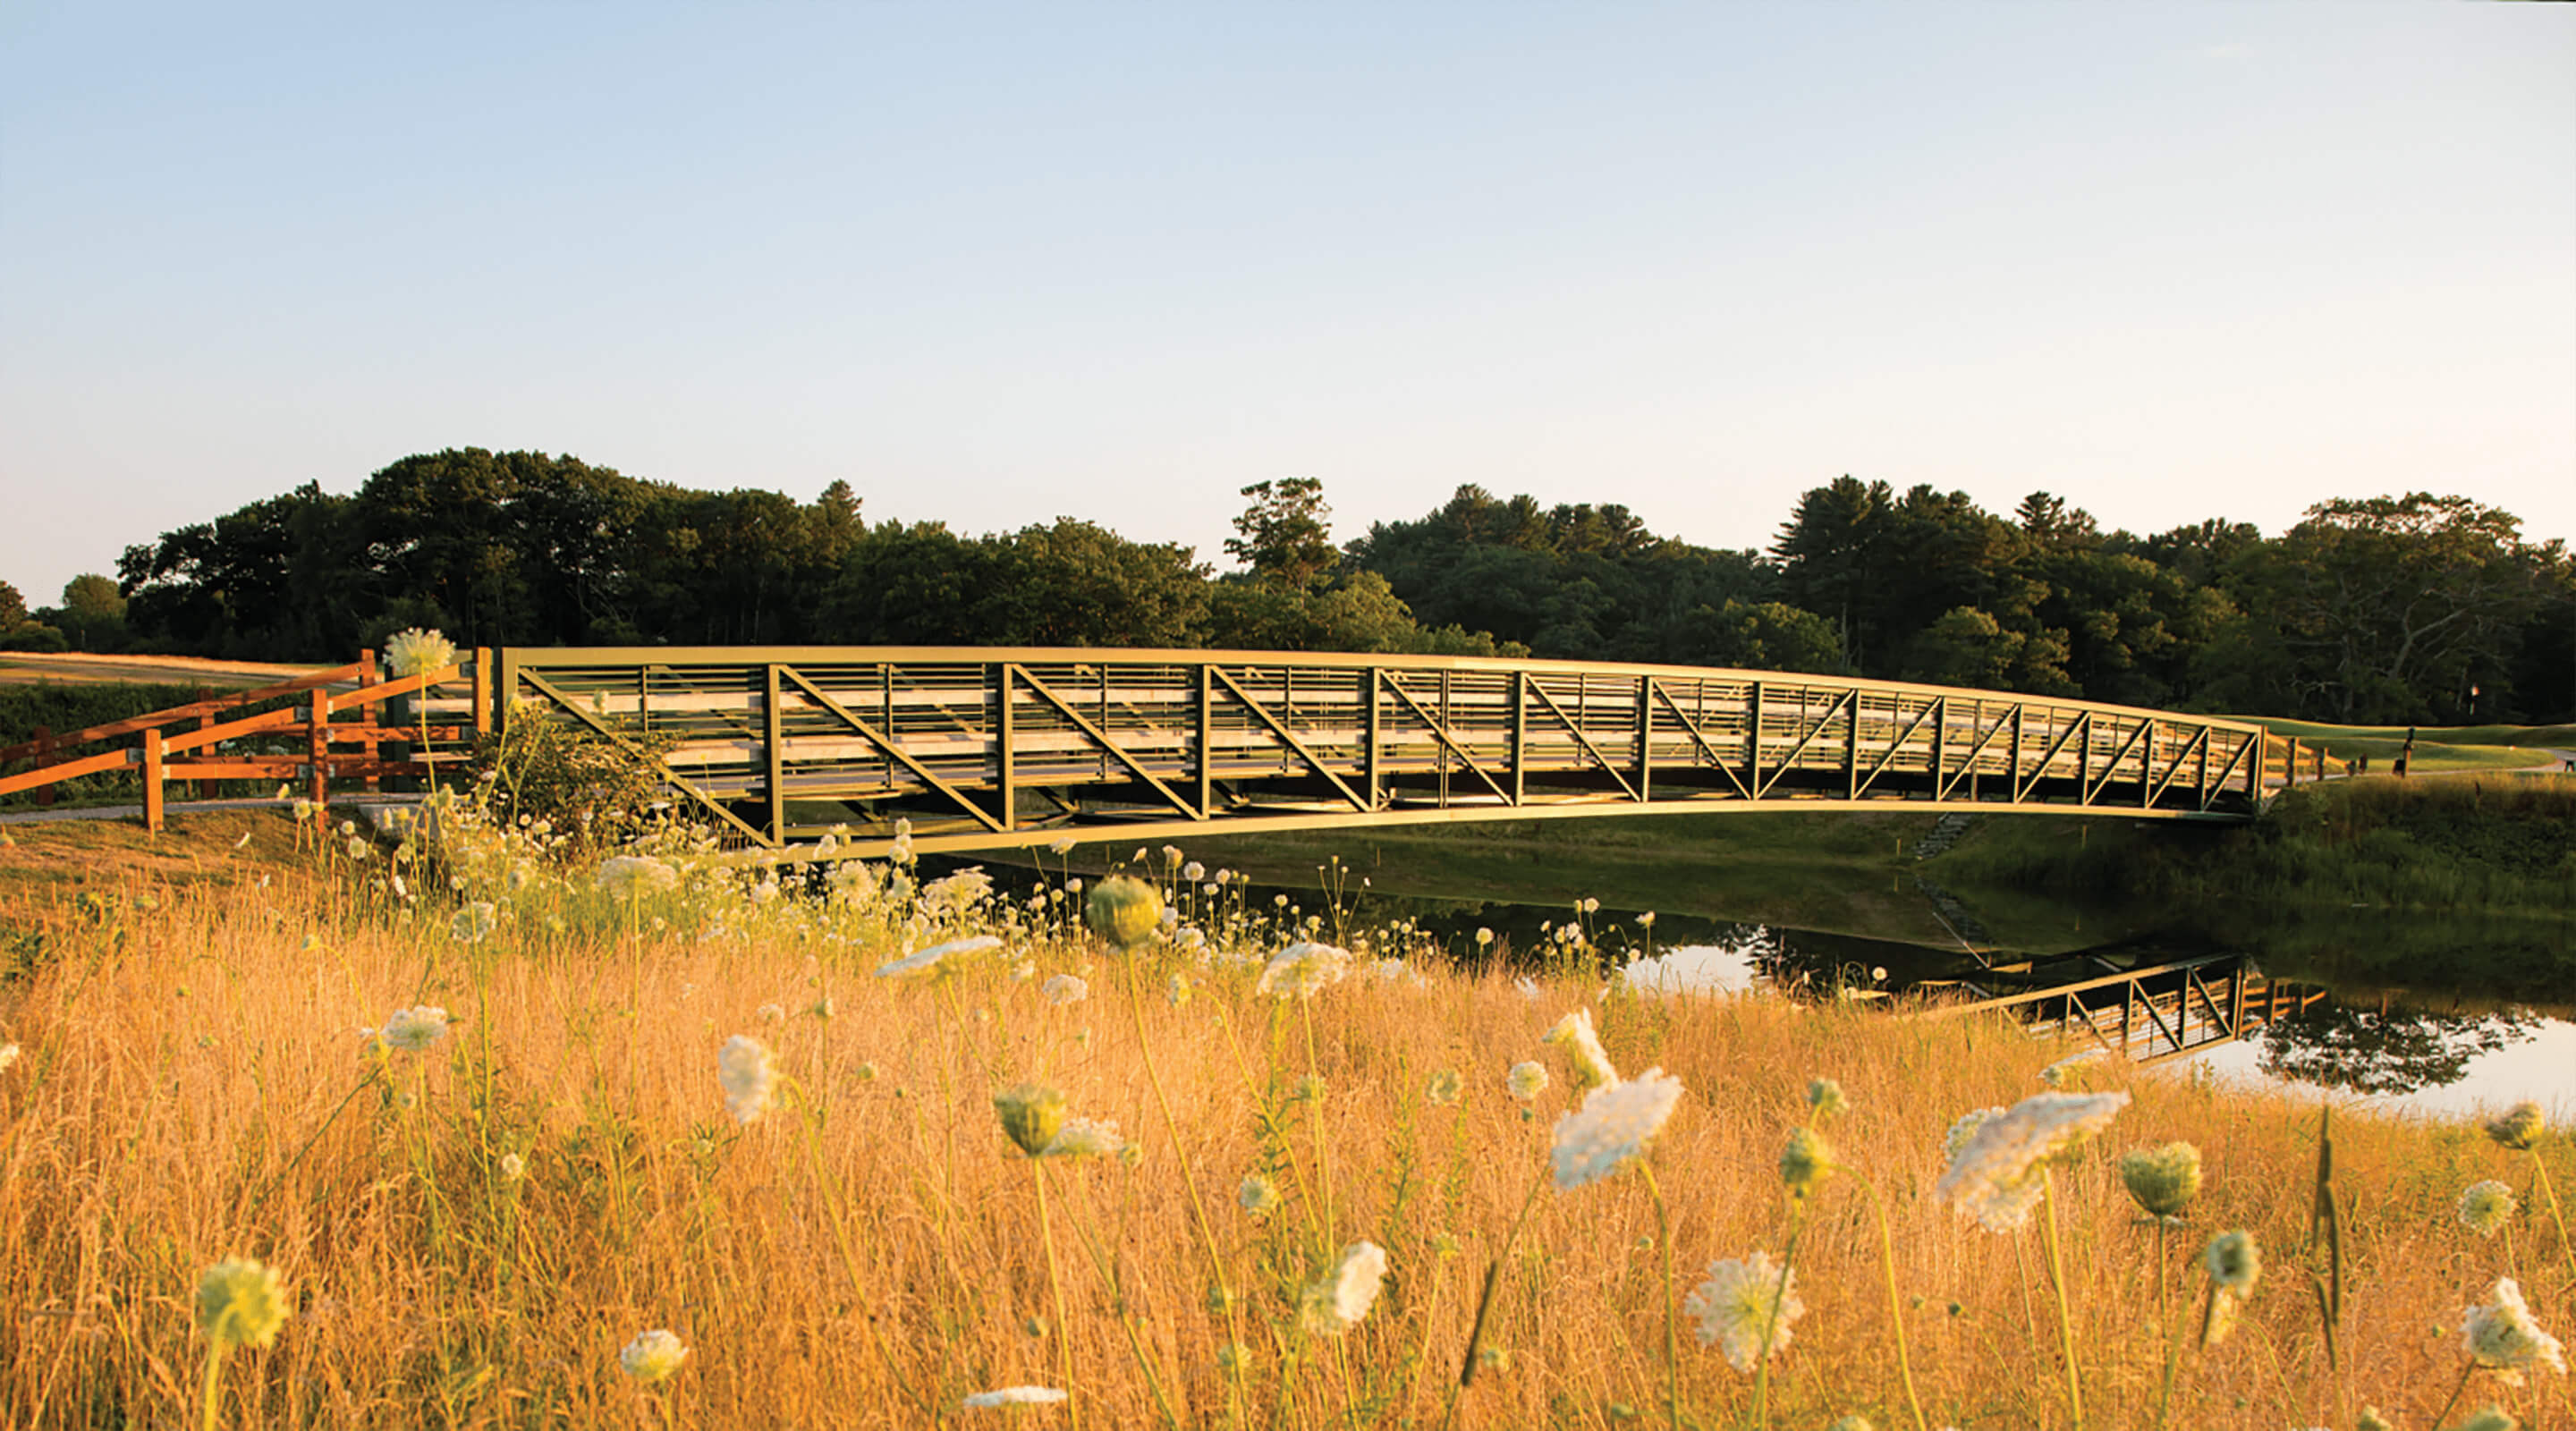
(1527, 1080)
(1302, 970)
(1084, 1138)
(1612, 1127)
(1444, 1088)
(1996, 1174)
(1065, 989)
(2502, 1336)
(2486, 1207)
(749, 1076)
(1336, 1304)
(1258, 1196)
(2234, 1262)
(2162, 1181)
(239, 1304)
(936, 958)
(1015, 1396)
(1583, 1050)
(635, 875)
(2520, 1126)
(414, 1029)
(653, 1356)
(1736, 1303)
(417, 652)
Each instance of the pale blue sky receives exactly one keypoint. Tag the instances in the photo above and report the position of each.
(995, 264)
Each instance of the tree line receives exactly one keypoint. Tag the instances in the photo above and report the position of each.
(2397, 609)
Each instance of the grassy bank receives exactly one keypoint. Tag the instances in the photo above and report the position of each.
(468, 1231)
(2490, 844)
(2438, 749)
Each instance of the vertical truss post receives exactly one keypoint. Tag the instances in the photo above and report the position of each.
(1520, 733)
(2200, 782)
(1444, 746)
(2013, 786)
(1753, 742)
(1851, 749)
(1206, 738)
(773, 751)
(1645, 739)
(482, 687)
(1006, 744)
(2147, 767)
(1376, 739)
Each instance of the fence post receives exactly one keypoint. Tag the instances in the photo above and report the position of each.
(204, 789)
(318, 751)
(152, 780)
(483, 693)
(44, 747)
(371, 720)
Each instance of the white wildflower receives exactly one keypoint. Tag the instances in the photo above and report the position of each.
(1336, 1304)
(653, 1356)
(1084, 1138)
(635, 875)
(1738, 1301)
(414, 1029)
(933, 959)
(2486, 1207)
(1583, 1050)
(1527, 1080)
(749, 1076)
(1612, 1127)
(1996, 1176)
(1015, 1395)
(2502, 1336)
(1301, 970)
(1065, 989)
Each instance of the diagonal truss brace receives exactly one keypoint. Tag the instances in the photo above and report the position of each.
(890, 747)
(1580, 738)
(767, 837)
(1698, 739)
(1286, 737)
(1848, 700)
(1441, 733)
(1099, 737)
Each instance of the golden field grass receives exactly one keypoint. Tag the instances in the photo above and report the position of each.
(195, 1085)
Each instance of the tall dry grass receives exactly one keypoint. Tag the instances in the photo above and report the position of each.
(195, 1085)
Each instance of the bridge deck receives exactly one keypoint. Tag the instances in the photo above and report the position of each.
(981, 748)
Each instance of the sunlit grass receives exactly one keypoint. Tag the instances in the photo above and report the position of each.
(485, 1226)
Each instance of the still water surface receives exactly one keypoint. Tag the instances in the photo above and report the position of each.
(2439, 1016)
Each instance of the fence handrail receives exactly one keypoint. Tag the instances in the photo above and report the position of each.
(134, 725)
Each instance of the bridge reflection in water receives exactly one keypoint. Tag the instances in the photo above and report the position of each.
(984, 748)
(2147, 1013)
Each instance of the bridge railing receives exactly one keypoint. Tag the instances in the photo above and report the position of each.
(997, 746)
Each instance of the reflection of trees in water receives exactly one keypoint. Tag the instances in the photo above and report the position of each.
(2397, 1050)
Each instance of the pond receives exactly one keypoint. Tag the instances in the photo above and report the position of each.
(2434, 1015)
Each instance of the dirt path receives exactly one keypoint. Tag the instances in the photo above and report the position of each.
(72, 666)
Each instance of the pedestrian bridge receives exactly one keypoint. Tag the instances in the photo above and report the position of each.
(984, 748)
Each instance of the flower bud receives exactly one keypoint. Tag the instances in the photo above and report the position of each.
(1123, 910)
(1031, 1115)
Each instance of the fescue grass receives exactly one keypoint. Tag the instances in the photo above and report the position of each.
(2438, 749)
(195, 1085)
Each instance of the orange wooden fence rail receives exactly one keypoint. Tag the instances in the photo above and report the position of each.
(315, 764)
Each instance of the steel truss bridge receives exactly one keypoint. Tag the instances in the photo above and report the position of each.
(985, 747)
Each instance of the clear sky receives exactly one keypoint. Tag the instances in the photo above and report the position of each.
(996, 264)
